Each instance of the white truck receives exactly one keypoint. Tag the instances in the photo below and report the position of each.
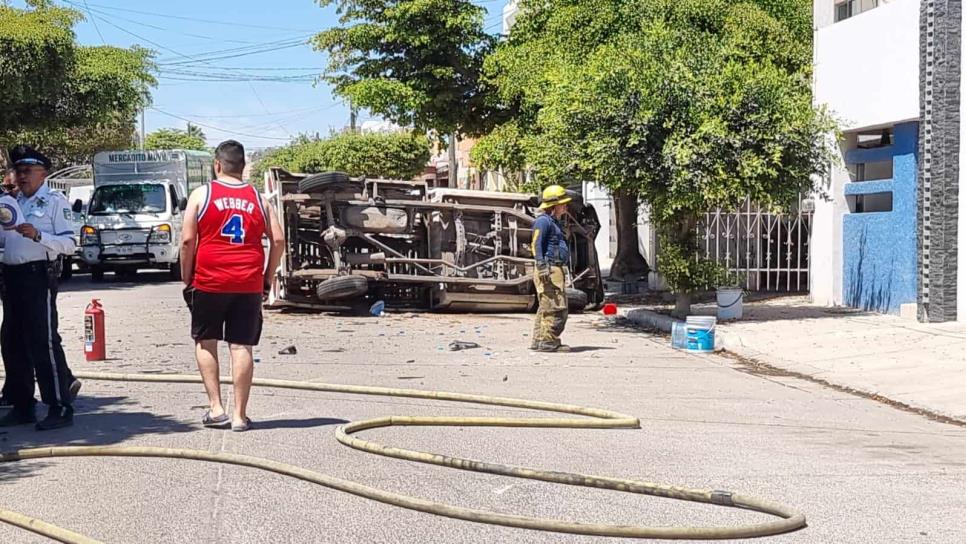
(135, 213)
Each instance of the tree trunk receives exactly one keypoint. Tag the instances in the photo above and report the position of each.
(683, 235)
(629, 264)
(682, 305)
(453, 166)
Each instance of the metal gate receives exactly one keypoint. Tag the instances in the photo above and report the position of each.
(768, 251)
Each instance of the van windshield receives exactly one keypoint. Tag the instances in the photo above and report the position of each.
(139, 198)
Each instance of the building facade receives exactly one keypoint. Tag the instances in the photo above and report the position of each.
(864, 247)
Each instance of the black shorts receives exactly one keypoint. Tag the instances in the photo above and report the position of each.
(235, 318)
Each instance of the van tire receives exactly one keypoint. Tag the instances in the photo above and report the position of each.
(175, 270)
(68, 271)
(342, 288)
(320, 182)
(576, 301)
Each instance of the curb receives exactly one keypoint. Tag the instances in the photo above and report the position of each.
(649, 319)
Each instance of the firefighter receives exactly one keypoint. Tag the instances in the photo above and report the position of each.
(551, 255)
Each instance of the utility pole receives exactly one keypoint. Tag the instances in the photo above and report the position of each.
(453, 164)
(142, 138)
(353, 117)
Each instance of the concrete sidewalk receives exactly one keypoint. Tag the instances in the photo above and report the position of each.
(920, 365)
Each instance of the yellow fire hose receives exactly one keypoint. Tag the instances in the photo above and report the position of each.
(599, 419)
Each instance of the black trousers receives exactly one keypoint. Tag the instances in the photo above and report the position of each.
(29, 341)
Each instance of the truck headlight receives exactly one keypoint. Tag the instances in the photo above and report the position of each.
(161, 235)
(89, 236)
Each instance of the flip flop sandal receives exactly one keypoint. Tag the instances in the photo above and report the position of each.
(220, 422)
(243, 427)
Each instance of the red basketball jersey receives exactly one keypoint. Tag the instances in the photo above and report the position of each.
(231, 225)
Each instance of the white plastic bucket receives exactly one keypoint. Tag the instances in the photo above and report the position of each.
(700, 333)
(729, 303)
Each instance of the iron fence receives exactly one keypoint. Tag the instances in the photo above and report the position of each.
(769, 252)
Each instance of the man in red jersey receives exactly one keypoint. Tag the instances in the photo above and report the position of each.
(224, 268)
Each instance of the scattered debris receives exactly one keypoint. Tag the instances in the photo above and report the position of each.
(411, 361)
(290, 350)
(505, 378)
(459, 345)
(378, 308)
(410, 377)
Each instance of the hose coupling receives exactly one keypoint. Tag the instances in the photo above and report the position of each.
(722, 498)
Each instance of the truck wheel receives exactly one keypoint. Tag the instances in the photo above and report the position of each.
(175, 270)
(320, 182)
(576, 301)
(68, 271)
(342, 287)
(97, 274)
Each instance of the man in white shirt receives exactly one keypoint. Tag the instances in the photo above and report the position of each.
(29, 340)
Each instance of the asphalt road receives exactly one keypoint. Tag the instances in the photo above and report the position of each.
(860, 471)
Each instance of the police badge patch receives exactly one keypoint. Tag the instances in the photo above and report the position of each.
(8, 215)
(67, 214)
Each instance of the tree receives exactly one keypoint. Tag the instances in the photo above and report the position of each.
(195, 131)
(388, 155)
(415, 62)
(173, 138)
(58, 92)
(76, 145)
(688, 104)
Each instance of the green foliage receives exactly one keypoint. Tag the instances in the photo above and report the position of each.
(690, 104)
(173, 138)
(415, 62)
(56, 91)
(679, 267)
(387, 155)
(75, 145)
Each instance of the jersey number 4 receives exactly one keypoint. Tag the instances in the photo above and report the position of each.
(234, 229)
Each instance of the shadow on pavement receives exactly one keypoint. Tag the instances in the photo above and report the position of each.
(98, 421)
(585, 349)
(297, 423)
(114, 283)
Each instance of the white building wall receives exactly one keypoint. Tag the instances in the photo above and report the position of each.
(867, 73)
(510, 15)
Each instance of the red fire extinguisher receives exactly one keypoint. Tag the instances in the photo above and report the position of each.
(95, 347)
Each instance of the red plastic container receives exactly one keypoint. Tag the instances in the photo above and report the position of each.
(610, 309)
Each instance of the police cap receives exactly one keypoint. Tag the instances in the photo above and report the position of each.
(24, 154)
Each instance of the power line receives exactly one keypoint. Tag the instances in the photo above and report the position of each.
(197, 20)
(93, 20)
(278, 113)
(219, 129)
(148, 25)
(202, 59)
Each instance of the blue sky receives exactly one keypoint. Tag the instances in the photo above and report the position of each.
(201, 40)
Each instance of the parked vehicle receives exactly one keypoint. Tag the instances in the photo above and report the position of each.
(76, 183)
(354, 241)
(135, 213)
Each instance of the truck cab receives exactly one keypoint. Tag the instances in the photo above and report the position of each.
(136, 211)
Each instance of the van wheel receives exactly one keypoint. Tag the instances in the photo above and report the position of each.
(342, 287)
(97, 273)
(175, 270)
(576, 301)
(68, 271)
(320, 182)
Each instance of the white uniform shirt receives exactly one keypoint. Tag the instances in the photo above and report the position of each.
(50, 214)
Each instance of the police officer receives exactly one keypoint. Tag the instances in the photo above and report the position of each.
(551, 255)
(29, 339)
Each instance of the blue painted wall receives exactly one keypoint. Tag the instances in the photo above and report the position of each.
(879, 249)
